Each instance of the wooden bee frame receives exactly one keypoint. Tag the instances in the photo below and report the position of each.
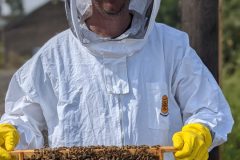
(159, 151)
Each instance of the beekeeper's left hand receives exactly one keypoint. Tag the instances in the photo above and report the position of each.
(192, 142)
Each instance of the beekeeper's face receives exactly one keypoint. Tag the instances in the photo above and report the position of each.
(111, 7)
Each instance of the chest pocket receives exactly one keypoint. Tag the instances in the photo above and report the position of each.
(157, 101)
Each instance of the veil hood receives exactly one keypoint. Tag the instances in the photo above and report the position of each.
(125, 45)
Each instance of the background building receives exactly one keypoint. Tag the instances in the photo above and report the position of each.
(23, 35)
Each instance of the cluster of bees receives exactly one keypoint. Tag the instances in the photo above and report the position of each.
(94, 153)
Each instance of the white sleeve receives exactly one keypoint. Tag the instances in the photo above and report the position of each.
(200, 98)
(22, 106)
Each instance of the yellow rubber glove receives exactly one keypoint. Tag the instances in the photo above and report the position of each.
(192, 142)
(9, 138)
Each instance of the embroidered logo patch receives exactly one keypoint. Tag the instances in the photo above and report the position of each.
(164, 109)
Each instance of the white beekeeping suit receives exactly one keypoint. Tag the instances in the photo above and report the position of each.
(139, 88)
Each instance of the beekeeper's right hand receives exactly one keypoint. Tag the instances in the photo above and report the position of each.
(9, 138)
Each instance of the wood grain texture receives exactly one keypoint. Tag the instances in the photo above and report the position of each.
(200, 19)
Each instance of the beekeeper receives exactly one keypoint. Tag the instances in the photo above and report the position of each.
(116, 78)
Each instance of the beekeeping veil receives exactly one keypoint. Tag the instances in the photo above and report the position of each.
(144, 13)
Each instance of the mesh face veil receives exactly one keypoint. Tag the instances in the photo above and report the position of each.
(137, 6)
(79, 10)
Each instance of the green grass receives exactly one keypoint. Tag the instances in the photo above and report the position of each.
(231, 89)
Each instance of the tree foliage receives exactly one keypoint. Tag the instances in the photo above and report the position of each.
(16, 7)
(169, 13)
(231, 73)
(231, 89)
(231, 24)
